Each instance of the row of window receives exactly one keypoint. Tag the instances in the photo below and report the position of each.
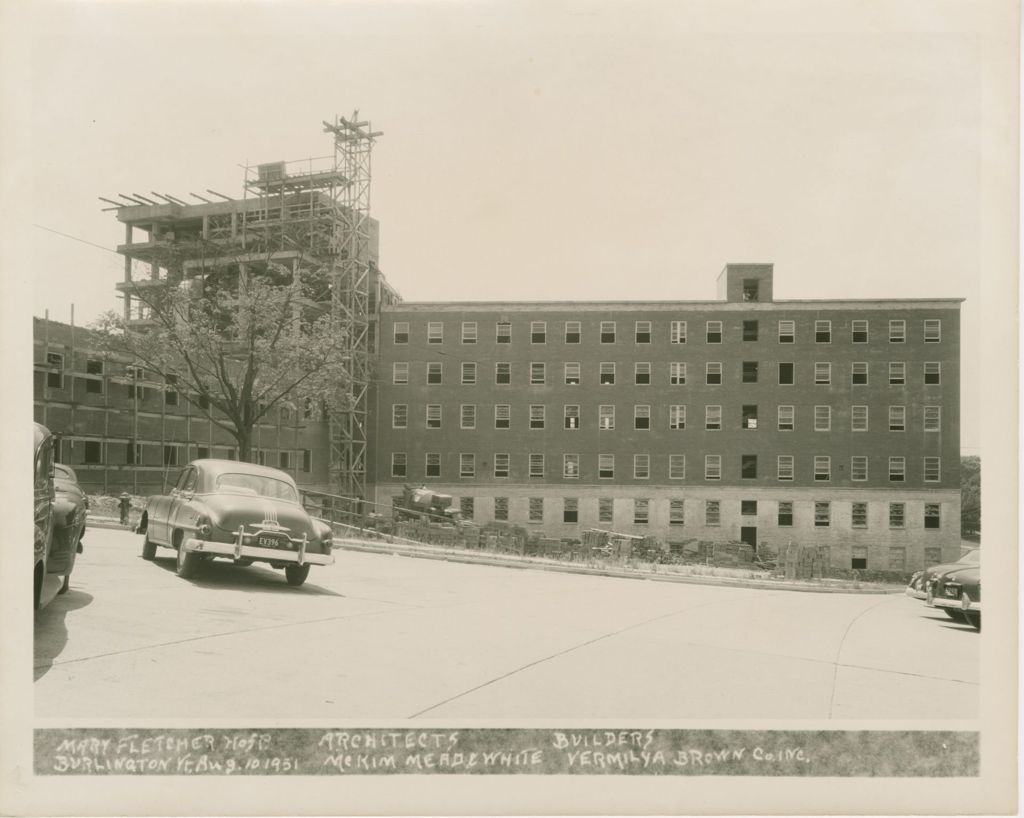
(98, 452)
(572, 417)
(643, 332)
(785, 466)
(784, 513)
(677, 373)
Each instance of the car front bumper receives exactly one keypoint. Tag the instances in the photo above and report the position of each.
(915, 593)
(964, 604)
(238, 550)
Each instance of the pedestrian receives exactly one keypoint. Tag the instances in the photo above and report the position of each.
(124, 503)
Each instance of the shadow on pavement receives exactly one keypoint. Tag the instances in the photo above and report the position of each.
(229, 577)
(50, 631)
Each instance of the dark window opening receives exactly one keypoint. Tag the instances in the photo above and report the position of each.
(750, 416)
(748, 466)
(750, 330)
(93, 451)
(859, 563)
(785, 373)
(750, 372)
(751, 289)
(748, 507)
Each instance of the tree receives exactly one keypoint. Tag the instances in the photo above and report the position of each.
(239, 342)
(970, 494)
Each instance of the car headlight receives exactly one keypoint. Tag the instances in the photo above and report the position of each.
(203, 527)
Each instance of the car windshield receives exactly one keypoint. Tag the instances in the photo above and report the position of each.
(257, 485)
(64, 472)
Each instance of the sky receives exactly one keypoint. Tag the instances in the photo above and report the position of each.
(563, 151)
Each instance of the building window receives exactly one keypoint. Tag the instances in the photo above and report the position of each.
(751, 289)
(748, 508)
(572, 373)
(787, 418)
(307, 460)
(932, 555)
(94, 453)
(502, 416)
(677, 373)
(859, 373)
(467, 465)
(859, 329)
(784, 467)
(570, 466)
(501, 464)
(643, 332)
(435, 372)
(858, 468)
(399, 416)
(858, 557)
(932, 418)
(467, 416)
(677, 416)
(572, 332)
(432, 464)
(714, 332)
(748, 466)
(932, 515)
(712, 512)
(501, 509)
(605, 509)
(897, 332)
(503, 332)
(785, 515)
(537, 374)
(467, 507)
(607, 332)
(502, 373)
(170, 453)
(538, 332)
(433, 415)
(641, 466)
(932, 330)
(749, 416)
(435, 332)
(536, 513)
(822, 418)
(787, 332)
(677, 467)
(641, 511)
(536, 465)
(822, 467)
(750, 330)
(822, 373)
(261, 457)
(400, 372)
(897, 558)
(401, 332)
(94, 385)
(398, 464)
(712, 467)
(786, 374)
(823, 332)
(468, 372)
(932, 373)
(571, 416)
(897, 418)
(750, 372)
(713, 373)
(642, 374)
(897, 469)
(713, 418)
(537, 415)
(897, 373)
(170, 390)
(607, 372)
(897, 515)
(641, 416)
(677, 332)
(859, 515)
(469, 332)
(932, 469)
(676, 513)
(605, 418)
(822, 514)
(570, 510)
(606, 466)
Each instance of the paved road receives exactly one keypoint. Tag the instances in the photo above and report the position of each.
(388, 637)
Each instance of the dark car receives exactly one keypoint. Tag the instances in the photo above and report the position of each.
(236, 511)
(959, 591)
(918, 586)
(70, 509)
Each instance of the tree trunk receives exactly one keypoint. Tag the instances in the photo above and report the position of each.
(244, 439)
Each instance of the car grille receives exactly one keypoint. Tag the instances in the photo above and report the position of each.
(951, 592)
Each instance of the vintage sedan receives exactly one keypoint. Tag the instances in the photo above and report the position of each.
(959, 591)
(70, 508)
(918, 585)
(236, 511)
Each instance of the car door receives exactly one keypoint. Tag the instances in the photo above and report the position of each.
(181, 496)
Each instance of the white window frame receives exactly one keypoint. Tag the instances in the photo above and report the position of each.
(787, 332)
(606, 417)
(535, 367)
(539, 328)
(711, 412)
(713, 368)
(712, 467)
(399, 415)
(677, 332)
(435, 332)
(467, 416)
(536, 464)
(641, 368)
(570, 466)
(858, 468)
(503, 412)
(502, 465)
(785, 467)
(435, 410)
(897, 418)
(932, 330)
(859, 418)
(713, 328)
(638, 331)
(822, 418)
(932, 418)
(822, 373)
(467, 458)
(932, 465)
(677, 416)
(469, 332)
(786, 411)
(641, 467)
(573, 373)
(469, 373)
(677, 373)
(897, 469)
(606, 463)
(400, 372)
(823, 467)
(897, 331)
(677, 467)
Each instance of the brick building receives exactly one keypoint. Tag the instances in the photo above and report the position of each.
(833, 423)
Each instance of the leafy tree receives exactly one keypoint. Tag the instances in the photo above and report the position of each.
(239, 343)
(970, 493)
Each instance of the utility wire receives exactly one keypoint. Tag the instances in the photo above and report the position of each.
(75, 238)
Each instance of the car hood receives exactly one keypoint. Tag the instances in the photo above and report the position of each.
(945, 568)
(229, 511)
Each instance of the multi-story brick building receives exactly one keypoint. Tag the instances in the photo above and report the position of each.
(833, 423)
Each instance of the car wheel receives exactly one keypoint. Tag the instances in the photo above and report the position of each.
(973, 619)
(148, 547)
(959, 616)
(188, 562)
(66, 584)
(296, 574)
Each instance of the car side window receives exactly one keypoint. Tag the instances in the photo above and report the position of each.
(43, 468)
(183, 479)
(190, 480)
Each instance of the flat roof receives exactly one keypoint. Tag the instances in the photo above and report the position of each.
(666, 306)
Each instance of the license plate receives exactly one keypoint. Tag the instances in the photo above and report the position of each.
(952, 592)
(271, 541)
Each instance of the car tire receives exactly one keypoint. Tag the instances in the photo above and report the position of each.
(295, 575)
(957, 616)
(973, 619)
(148, 547)
(187, 563)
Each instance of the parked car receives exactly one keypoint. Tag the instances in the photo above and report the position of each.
(959, 591)
(918, 585)
(60, 508)
(237, 511)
